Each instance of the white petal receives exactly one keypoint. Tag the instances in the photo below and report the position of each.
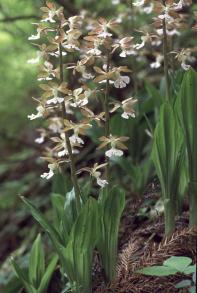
(47, 175)
(114, 152)
(62, 153)
(185, 66)
(101, 182)
(39, 140)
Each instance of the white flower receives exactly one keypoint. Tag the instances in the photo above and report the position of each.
(104, 34)
(185, 66)
(57, 53)
(126, 115)
(40, 139)
(50, 173)
(71, 47)
(76, 139)
(34, 37)
(126, 53)
(79, 98)
(55, 100)
(94, 51)
(44, 78)
(87, 75)
(97, 174)
(40, 111)
(113, 152)
(148, 9)
(62, 153)
(51, 14)
(165, 14)
(139, 3)
(101, 182)
(157, 62)
(142, 44)
(55, 125)
(121, 81)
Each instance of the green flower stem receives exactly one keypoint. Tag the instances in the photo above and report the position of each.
(68, 144)
(107, 115)
(165, 54)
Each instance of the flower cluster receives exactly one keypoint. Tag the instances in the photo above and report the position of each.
(167, 15)
(70, 107)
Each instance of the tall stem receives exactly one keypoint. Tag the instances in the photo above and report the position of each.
(107, 115)
(68, 144)
(165, 54)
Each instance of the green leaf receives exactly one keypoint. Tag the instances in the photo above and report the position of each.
(36, 263)
(192, 289)
(61, 184)
(158, 271)
(41, 219)
(58, 207)
(180, 263)
(167, 155)
(79, 251)
(69, 215)
(22, 276)
(54, 235)
(189, 270)
(47, 275)
(187, 109)
(183, 284)
(111, 205)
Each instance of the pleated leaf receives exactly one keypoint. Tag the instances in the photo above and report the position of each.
(79, 251)
(111, 206)
(167, 151)
(47, 275)
(36, 262)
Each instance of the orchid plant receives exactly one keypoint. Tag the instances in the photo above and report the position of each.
(78, 73)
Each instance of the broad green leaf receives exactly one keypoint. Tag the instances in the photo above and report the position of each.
(187, 108)
(79, 251)
(111, 205)
(180, 263)
(158, 271)
(36, 262)
(58, 205)
(61, 184)
(167, 150)
(69, 215)
(187, 104)
(189, 270)
(183, 284)
(167, 156)
(47, 275)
